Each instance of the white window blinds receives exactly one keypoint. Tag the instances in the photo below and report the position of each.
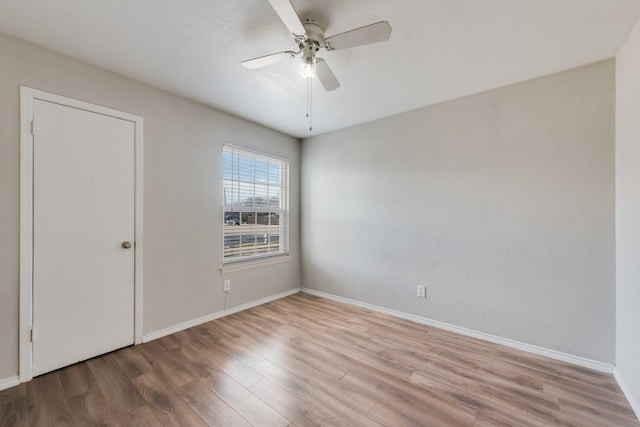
(255, 205)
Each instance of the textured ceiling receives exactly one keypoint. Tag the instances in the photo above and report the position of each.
(439, 49)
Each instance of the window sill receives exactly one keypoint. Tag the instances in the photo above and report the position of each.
(246, 265)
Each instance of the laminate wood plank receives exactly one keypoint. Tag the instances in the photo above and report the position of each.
(346, 352)
(485, 391)
(414, 402)
(414, 334)
(358, 399)
(175, 374)
(361, 318)
(491, 370)
(432, 344)
(47, 405)
(90, 409)
(390, 354)
(558, 370)
(292, 340)
(209, 406)
(264, 328)
(284, 352)
(505, 400)
(493, 419)
(254, 410)
(165, 403)
(454, 392)
(204, 361)
(460, 398)
(349, 320)
(266, 321)
(290, 406)
(237, 370)
(193, 360)
(476, 382)
(423, 359)
(14, 413)
(595, 415)
(433, 348)
(215, 337)
(114, 385)
(132, 362)
(249, 318)
(272, 313)
(601, 393)
(77, 379)
(336, 408)
(140, 417)
(288, 356)
(225, 362)
(388, 415)
(530, 381)
(298, 310)
(305, 360)
(302, 308)
(169, 342)
(13, 394)
(606, 402)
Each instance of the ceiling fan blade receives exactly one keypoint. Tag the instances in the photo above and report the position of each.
(263, 61)
(288, 15)
(372, 33)
(326, 76)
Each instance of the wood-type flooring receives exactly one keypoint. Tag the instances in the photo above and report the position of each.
(309, 361)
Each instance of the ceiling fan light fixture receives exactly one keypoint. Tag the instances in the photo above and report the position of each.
(308, 68)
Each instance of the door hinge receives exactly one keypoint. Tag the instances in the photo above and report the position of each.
(33, 127)
(32, 334)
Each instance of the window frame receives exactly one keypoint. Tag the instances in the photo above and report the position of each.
(257, 259)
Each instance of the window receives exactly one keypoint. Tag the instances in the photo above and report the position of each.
(255, 205)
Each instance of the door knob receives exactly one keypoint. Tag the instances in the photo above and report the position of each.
(126, 245)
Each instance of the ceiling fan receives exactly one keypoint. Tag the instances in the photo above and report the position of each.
(309, 36)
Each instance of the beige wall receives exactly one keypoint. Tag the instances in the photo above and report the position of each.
(502, 203)
(628, 217)
(182, 200)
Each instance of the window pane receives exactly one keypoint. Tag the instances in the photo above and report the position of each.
(254, 205)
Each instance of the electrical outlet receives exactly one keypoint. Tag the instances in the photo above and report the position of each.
(227, 285)
(421, 291)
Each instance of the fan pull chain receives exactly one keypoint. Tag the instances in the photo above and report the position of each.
(307, 116)
(310, 104)
(309, 101)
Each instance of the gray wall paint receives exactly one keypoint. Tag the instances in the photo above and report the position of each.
(182, 200)
(628, 216)
(502, 203)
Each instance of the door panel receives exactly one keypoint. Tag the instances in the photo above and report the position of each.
(83, 209)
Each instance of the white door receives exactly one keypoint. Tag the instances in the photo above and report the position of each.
(83, 211)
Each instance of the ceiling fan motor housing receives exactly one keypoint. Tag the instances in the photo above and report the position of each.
(315, 31)
(313, 42)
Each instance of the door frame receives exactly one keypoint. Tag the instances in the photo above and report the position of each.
(27, 98)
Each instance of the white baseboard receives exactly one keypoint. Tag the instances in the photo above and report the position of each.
(631, 398)
(576, 360)
(9, 382)
(195, 322)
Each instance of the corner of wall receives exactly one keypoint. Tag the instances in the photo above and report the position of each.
(633, 400)
(627, 371)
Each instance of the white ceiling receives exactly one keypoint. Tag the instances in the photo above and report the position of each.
(439, 49)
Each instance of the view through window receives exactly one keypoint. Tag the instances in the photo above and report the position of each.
(255, 205)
